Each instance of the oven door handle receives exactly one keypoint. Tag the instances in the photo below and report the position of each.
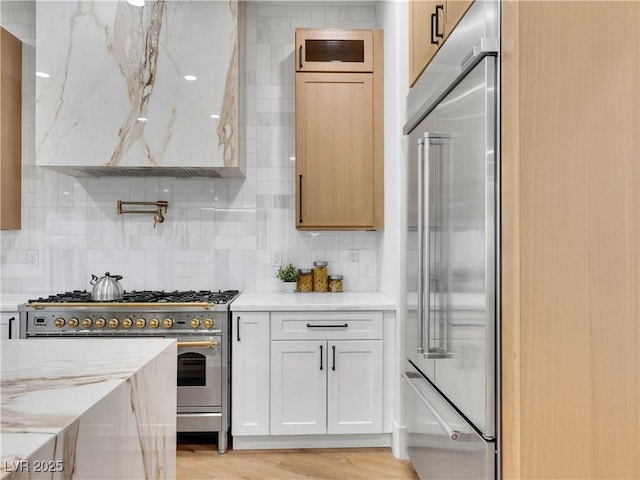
(209, 344)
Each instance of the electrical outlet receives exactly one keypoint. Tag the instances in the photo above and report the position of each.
(32, 258)
(353, 256)
(276, 258)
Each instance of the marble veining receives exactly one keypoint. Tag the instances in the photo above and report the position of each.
(103, 421)
(228, 122)
(69, 448)
(117, 95)
(153, 435)
(138, 63)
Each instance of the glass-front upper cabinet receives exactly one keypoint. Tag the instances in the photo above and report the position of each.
(334, 50)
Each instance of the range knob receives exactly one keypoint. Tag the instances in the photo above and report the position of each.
(59, 322)
(167, 323)
(140, 323)
(87, 322)
(195, 323)
(126, 322)
(100, 322)
(73, 322)
(208, 322)
(114, 322)
(154, 323)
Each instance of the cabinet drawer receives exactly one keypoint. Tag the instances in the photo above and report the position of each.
(326, 325)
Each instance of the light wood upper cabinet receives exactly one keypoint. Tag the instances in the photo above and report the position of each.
(334, 50)
(11, 127)
(339, 144)
(334, 149)
(422, 46)
(430, 24)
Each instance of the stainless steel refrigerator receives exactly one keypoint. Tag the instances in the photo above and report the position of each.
(450, 377)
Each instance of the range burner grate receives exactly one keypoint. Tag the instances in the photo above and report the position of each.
(147, 296)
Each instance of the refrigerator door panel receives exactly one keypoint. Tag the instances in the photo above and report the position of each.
(440, 443)
(463, 248)
(415, 334)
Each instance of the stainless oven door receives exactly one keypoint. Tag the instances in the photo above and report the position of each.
(199, 373)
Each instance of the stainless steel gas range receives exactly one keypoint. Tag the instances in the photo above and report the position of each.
(199, 320)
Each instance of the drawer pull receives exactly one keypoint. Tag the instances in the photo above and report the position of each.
(346, 325)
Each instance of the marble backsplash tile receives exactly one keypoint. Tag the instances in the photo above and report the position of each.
(218, 233)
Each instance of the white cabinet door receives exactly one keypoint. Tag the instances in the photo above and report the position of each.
(250, 374)
(354, 392)
(9, 325)
(298, 387)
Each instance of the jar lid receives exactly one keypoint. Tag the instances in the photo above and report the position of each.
(335, 277)
(320, 264)
(305, 270)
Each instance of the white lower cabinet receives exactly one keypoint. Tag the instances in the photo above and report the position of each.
(250, 373)
(331, 387)
(326, 385)
(307, 373)
(298, 387)
(354, 386)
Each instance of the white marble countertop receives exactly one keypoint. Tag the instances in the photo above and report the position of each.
(282, 302)
(46, 384)
(9, 301)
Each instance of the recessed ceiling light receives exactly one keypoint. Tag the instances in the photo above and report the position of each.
(142, 119)
(42, 75)
(136, 3)
(190, 78)
(215, 116)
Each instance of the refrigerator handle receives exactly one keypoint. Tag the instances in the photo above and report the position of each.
(424, 257)
(451, 433)
(421, 249)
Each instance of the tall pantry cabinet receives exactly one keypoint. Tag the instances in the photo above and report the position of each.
(339, 129)
(570, 239)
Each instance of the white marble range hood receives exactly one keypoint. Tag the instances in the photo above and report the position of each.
(112, 65)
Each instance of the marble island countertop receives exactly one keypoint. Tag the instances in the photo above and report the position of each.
(64, 401)
(282, 302)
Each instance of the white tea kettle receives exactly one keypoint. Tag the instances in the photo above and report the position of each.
(106, 288)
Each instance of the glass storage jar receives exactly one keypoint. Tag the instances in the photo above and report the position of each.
(320, 276)
(305, 280)
(335, 283)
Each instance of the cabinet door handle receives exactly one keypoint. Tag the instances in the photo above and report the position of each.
(300, 56)
(238, 327)
(434, 41)
(321, 357)
(439, 8)
(11, 320)
(300, 198)
(333, 348)
(344, 325)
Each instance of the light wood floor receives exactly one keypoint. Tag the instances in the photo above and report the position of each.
(200, 460)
